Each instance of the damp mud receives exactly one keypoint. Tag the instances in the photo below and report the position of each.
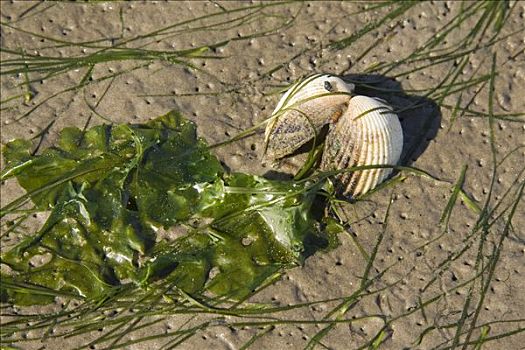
(435, 259)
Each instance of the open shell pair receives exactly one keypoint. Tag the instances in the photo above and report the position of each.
(363, 131)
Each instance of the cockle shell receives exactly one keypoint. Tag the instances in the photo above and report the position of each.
(364, 131)
(302, 112)
(368, 133)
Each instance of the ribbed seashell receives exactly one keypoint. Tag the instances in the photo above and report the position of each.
(302, 112)
(368, 133)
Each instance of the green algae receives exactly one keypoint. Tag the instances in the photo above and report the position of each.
(110, 189)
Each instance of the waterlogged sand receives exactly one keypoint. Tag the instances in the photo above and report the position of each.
(431, 143)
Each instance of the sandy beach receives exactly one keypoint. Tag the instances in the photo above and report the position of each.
(441, 278)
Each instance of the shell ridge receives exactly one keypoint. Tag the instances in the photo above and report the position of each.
(384, 137)
(378, 150)
(358, 175)
(371, 147)
(351, 153)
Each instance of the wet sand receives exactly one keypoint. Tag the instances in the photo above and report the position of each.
(432, 143)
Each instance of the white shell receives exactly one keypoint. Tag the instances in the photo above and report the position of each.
(302, 111)
(369, 133)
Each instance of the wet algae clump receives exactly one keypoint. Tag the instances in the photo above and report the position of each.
(111, 189)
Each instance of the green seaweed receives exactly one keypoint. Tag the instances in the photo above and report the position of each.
(111, 188)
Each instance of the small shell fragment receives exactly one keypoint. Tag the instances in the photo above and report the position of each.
(302, 112)
(368, 133)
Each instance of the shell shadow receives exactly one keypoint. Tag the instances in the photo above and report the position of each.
(420, 117)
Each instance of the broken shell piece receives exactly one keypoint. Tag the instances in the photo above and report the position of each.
(302, 112)
(369, 133)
